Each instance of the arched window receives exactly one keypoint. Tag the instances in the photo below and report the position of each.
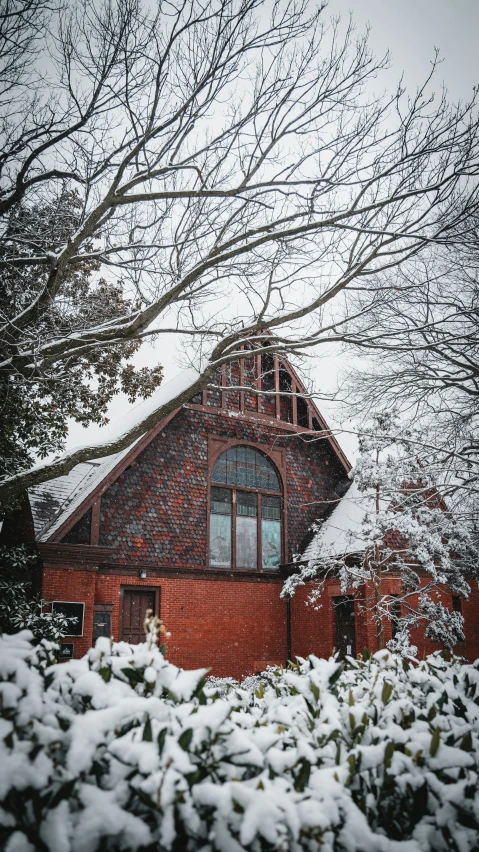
(245, 511)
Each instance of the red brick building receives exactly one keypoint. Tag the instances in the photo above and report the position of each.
(200, 520)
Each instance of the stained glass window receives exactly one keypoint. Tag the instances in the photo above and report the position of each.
(246, 530)
(245, 466)
(271, 533)
(220, 528)
(245, 525)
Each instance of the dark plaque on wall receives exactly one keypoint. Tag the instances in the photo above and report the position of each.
(66, 652)
(101, 624)
(74, 612)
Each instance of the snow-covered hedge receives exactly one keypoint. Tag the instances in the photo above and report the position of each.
(122, 750)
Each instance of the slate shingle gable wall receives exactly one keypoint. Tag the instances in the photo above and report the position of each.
(80, 533)
(157, 509)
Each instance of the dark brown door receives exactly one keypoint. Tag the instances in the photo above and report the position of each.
(345, 627)
(135, 604)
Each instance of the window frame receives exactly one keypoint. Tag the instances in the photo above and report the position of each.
(206, 400)
(127, 587)
(395, 617)
(82, 622)
(215, 450)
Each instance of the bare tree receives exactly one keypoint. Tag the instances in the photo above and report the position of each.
(22, 25)
(422, 354)
(238, 175)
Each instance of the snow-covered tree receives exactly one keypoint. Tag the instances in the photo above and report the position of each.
(21, 608)
(35, 405)
(406, 533)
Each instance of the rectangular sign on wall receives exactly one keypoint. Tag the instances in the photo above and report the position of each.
(66, 651)
(74, 612)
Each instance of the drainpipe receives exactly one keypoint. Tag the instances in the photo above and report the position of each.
(288, 628)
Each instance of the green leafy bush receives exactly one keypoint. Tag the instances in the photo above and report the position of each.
(20, 607)
(123, 751)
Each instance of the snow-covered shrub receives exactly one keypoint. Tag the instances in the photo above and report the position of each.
(20, 607)
(123, 751)
(222, 685)
(20, 611)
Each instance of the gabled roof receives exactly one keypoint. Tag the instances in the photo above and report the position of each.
(341, 533)
(57, 505)
(322, 422)
(53, 502)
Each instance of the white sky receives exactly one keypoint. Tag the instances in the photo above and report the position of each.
(411, 30)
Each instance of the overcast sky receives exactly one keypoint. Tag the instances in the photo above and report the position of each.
(411, 30)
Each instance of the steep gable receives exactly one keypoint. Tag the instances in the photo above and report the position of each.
(59, 503)
(265, 389)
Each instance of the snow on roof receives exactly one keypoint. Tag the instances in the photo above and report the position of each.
(341, 533)
(143, 409)
(54, 501)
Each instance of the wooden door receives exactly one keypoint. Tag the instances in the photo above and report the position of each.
(135, 602)
(345, 626)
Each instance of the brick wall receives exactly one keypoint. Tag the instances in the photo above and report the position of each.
(314, 630)
(156, 514)
(229, 626)
(232, 626)
(68, 584)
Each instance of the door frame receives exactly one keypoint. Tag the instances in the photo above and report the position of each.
(352, 599)
(127, 588)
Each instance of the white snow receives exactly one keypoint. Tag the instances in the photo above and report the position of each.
(341, 533)
(303, 763)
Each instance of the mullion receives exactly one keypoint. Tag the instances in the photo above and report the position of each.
(233, 529)
(259, 558)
